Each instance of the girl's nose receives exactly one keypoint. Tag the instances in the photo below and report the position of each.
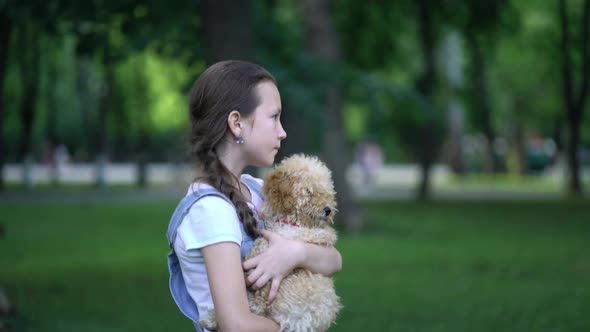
(282, 133)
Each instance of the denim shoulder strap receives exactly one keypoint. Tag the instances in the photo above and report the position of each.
(184, 207)
(177, 285)
(253, 185)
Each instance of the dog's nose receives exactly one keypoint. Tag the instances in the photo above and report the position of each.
(327, 211)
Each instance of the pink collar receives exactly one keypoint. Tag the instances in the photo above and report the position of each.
(287, 222)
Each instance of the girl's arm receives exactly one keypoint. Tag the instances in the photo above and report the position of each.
(283, 256)
(227, 284)
(322, 260)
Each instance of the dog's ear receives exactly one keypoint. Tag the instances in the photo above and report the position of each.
(288, 203)
(279, 191)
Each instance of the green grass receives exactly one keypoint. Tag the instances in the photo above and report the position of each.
(507, 183)
(419, 267)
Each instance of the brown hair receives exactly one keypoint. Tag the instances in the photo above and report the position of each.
(224, 87)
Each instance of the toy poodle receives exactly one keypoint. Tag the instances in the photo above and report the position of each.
(299, 205)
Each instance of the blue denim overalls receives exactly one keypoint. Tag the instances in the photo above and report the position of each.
(177, 286)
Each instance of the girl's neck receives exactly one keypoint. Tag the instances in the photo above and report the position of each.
(231, 158)
(235, 182)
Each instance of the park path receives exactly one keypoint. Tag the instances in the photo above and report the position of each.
(169, 182)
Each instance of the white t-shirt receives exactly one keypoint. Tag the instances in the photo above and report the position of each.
(210, 220)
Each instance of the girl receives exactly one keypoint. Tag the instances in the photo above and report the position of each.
(235, 110)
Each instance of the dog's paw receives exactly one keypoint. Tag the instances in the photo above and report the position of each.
(209, 321)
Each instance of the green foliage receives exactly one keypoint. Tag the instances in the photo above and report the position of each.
(524, 82)
(152, 90)
(355, 121)
(473, 266)
(368, 32)
(396, 116)
(381, 62)
(154, 86)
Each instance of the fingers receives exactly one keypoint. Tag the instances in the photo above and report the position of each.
(274, 288)
(261, 281)
(250, 263)
(267, 234)
(253, 276)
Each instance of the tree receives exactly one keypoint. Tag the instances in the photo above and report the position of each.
(323, 43)
(30, 17)
(5, 33)
(281, 48)
(574, 103)
(522, 68)
(228, 30)
(110, 31)
(93, 28)
(370, 34)
(29, 63)
(426, 152)
(481, 26)
(453, 85)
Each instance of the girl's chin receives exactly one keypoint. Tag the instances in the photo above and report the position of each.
(265, 163)
(268, 162)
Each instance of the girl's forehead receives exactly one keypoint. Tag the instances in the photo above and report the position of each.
(268, 92)
(267, 89)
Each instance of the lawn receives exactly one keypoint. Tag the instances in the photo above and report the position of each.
(440, 266)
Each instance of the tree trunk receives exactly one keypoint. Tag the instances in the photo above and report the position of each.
(455, 111)
(425, 86)
(519, 140)
(456, 129)
(297, 129)
(30, 78)
(51, 93)
(228, 30)
(322, 41)
(481, 100)
(5, 33)
(101, 136)
(84, 103)
(574, 105)
(294, 122)
(425, 162)
(574, 183)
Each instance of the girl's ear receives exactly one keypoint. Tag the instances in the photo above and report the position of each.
(234, 123)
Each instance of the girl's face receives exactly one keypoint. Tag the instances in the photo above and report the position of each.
(264, 134)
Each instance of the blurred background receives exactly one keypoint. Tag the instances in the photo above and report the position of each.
(457, 132)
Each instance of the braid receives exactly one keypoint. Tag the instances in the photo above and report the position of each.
(218, 176)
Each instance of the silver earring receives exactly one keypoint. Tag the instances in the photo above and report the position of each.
(240, 140)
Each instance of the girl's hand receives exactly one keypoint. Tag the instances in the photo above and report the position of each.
(280, 258)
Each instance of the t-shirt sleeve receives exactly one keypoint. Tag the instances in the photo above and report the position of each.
(210, 220)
